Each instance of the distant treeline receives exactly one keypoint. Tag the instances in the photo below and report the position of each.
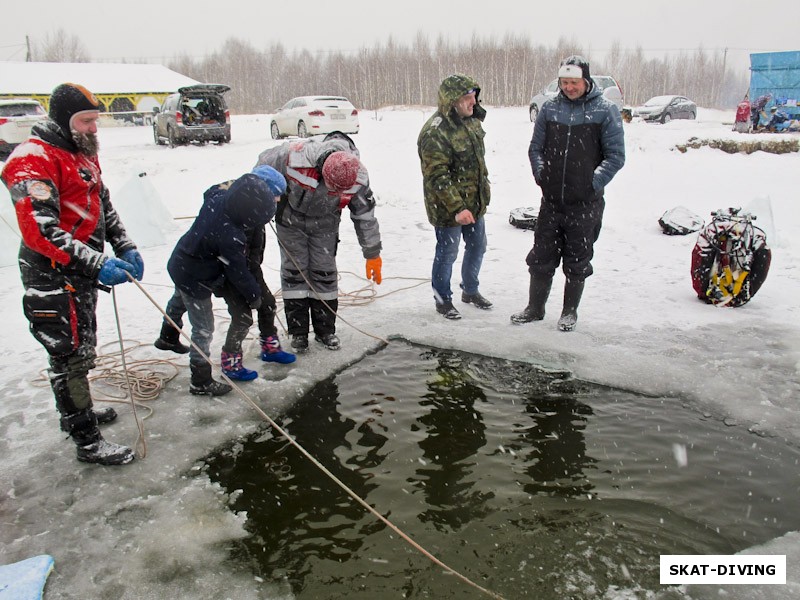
(510, 70)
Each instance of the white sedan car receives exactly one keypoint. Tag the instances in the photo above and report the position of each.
(311, 115)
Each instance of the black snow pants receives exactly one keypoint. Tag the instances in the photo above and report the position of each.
(61, 312)
(566, 234)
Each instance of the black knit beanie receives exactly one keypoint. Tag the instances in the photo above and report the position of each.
(69, 99)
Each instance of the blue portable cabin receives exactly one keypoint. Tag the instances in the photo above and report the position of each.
(777, 73)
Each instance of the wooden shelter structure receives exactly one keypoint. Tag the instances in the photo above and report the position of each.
(119, 87)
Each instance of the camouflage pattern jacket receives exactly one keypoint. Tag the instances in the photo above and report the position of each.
(452, 156)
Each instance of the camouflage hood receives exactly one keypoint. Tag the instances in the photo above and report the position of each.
(453, 88)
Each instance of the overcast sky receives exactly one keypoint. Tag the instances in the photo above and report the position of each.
(159, 31)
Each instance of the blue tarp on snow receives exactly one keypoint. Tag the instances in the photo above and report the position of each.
(24, 580)
(777, 73)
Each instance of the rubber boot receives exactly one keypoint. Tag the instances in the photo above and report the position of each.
(232, 367)
(538, 292)
(573, 290)
(91, 447)
(202, 384)
(271, 351)
(105, 415)
(170, 339)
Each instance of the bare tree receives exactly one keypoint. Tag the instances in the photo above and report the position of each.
(510, 70)
(60, 46)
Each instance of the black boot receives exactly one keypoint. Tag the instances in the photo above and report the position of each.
(538, 292)
(573, 290)
(329, 340)
(105, 415)
(92, 448)
(202, 384)
(170, 339)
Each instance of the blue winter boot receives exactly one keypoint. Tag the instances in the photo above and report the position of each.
(271, 351)
(233, 368)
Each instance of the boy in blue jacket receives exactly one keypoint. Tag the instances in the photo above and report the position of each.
(208, 257)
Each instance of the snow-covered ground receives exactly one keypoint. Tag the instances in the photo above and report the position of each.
(157, 528)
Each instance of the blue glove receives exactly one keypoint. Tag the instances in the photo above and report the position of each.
(133, 257)
(113, 271)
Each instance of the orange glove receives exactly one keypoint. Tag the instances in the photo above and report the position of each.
(374, 269)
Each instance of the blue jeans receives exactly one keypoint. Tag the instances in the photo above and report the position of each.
(447, 241)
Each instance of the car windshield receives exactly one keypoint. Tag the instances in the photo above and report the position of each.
(604, 82)
(21, 110)
(659, 101)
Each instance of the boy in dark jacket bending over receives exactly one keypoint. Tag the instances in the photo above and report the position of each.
(212, 254)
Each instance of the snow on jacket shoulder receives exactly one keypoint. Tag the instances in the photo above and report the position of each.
(577, 147)
(63, 208)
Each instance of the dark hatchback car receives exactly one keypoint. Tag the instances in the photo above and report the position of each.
(665, 108)
(196, 113)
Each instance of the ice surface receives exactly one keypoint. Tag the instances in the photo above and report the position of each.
(157, 528)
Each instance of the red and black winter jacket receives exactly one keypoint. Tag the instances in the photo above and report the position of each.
(63, 209)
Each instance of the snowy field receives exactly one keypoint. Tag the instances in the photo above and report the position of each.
(159, 529)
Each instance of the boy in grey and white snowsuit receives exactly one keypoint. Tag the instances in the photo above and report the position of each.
(323, 176)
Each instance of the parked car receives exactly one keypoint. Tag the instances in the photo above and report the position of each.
(311, 115)
(196, 113)
(16, 119)
(608, 85)
(666, 108)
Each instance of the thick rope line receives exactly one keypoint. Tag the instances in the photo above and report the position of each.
(315, 462)
(141, 442)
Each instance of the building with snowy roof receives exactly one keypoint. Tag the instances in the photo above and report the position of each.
(119, 87)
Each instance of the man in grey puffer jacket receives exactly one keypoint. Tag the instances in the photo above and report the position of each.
(323, 176)
(577, 147)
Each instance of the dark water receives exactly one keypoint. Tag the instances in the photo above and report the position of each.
(529, 483)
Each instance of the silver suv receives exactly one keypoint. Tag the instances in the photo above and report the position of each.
(197, 113)
(607, 84)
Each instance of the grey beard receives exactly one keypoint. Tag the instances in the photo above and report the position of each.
(87, 143)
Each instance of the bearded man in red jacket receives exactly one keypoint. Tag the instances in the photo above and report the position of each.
(65, 218)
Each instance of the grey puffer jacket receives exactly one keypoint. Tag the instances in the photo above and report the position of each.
(577, 147)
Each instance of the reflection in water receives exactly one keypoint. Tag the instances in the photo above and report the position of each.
(554, 446)
(453, 433)
(528, 482)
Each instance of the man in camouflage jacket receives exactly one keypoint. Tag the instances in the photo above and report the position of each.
(456, 188)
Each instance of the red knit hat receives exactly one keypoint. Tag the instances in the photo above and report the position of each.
(340, 171)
